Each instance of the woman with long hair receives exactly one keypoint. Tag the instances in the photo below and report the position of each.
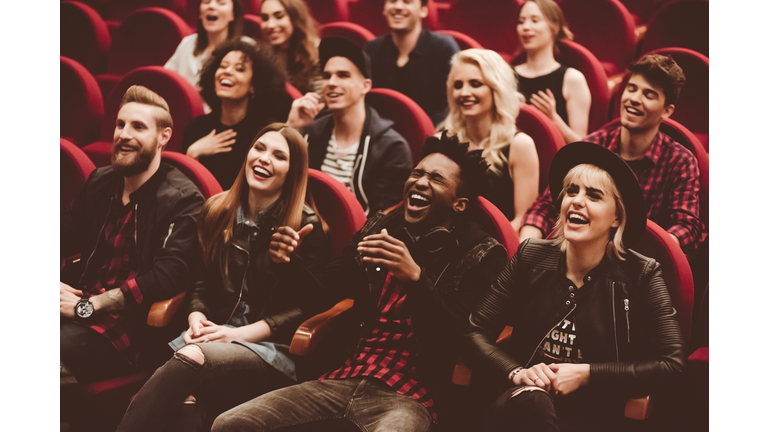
(241, 316)
(289, 27)
(246, 91)
(482, 109)
(559, 92)
(593, 323)
(219, 21)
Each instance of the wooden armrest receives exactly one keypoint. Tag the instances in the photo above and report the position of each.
(637, 409)
(311, 331)
(161, 312)
(640, 32)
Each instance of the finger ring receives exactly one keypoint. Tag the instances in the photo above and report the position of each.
(537, 378)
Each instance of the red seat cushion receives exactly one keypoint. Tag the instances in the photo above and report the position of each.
(75, 167)
(84, 36)
(338, 207)
(81, 105)
(347, 30)
(410, 120)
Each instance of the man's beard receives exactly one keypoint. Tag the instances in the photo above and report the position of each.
(136, 163)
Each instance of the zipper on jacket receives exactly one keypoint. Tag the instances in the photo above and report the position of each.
(626, 312)
(366, 207)
(548, 333)
(98, 237)
(170, 230)
(613, 313)
(239, 296)
(135, 235)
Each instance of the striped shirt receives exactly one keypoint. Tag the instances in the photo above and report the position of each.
(340, 163)
(669, 177)
(389, 350)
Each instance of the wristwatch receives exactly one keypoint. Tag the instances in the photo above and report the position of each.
(515, 372)
(84, 308)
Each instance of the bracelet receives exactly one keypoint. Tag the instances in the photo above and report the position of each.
(515, 372)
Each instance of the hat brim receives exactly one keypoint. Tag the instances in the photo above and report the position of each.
(626, 182)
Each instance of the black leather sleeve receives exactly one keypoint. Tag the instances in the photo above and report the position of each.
(663, 368)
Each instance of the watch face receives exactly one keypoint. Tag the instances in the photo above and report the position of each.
(84, 308)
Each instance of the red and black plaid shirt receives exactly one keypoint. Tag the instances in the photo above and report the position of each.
(388, 351)
(116, 263)
(669, 177)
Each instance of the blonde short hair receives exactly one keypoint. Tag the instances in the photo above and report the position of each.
(145, 96)
(593, 176)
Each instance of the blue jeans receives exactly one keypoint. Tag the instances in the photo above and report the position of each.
(328, 405)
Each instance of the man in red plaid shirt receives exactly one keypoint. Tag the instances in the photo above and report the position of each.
(134, 228)
(414, 273)
(667, 171)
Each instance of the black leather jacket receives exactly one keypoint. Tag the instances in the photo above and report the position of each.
(632, 331)
(218, 289)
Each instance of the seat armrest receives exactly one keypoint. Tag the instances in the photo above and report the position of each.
(311, 331)
(638, 409)
(161, 313)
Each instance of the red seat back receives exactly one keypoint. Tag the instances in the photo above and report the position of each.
(195, 171)
(293, 92)
(641, 10)
(119, 10)
(545, 135)
(146, 37)
(657, 244)
(464, 41)
(410, 120)
(497, 225)
(338, 207)
(347, 30)
(81, 106)
(183, 100)
(680, 23)
(576, 56)
(84, 36)
(489, 22)
(369, 14)
(75, 169)
(252, 26)
(605, 28)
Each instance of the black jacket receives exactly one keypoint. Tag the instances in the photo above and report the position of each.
(430, 63)
(166, 209)
(219, 288)
(382, 164)
(633, 331)
(441, 299)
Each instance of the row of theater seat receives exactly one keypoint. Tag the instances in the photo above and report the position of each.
(150, 36)
(605, 27)
(344, 216)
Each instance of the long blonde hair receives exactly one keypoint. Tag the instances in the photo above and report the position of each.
(219, 214)
(500, 78)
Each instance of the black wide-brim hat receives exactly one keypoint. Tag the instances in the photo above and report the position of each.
(339, 47)
(626, 182)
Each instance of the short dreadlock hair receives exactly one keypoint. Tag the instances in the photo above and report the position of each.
(471, 163)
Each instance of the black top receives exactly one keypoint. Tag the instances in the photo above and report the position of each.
(501, 190)
(428, 63)
(552, 81)
(225, 166)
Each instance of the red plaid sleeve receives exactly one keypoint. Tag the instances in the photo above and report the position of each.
(684, 203)
(542, 214)
(132, 292)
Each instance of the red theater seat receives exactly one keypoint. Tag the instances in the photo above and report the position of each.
(347, 30)
(576, 56)
(75, 167)
(464, 41)
(81, 105)
(146, 37)
(680, 23)
(497, 225)
(338, 207)
(252, 26)
(323, 11)
(410, 120)
(489, 22)
(545, 135)
(183, 100)
(605, 28)
(84, 36)
(199, 174)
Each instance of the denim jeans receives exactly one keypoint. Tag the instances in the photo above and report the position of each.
(362, 403)
(230, 375)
